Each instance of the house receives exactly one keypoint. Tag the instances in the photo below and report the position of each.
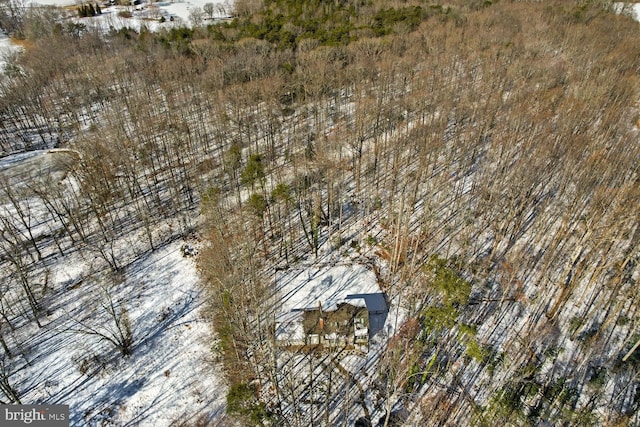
(338, 306)
(343, 325)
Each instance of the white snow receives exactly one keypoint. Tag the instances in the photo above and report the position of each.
(22, 168)
(306, 289)
(169, 379)
(176, 13)
(289, 327)
(176, 9)
(182, 9)
(632, 8)
(55, 2)
(7, 48)
(362, 332)
(13, 160)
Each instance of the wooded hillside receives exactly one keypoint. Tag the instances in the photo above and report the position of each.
(482, 157)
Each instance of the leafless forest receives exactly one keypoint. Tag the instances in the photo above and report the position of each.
(482, 157)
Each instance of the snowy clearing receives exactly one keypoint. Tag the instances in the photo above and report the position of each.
(328, 285)
(169, 378)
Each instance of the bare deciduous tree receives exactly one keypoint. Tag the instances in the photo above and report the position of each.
(116, 329)
(6, 387)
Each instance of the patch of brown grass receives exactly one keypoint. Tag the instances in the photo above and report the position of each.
(23, 43)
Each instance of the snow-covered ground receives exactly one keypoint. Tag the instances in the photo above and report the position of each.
(328, 286)
(6, 48)
(182, 9)
(169, 379)
(19, 170)
(148, 13)
(632, 8)
(55, 2)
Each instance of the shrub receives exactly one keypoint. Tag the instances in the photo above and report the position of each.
(598, 377)
(241, 400)
(257, 204)
(253, 171)
(454, 289)
(476, 351)
(371, 240)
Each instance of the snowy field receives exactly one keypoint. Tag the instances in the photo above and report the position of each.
(148, 13)
(170, 377)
